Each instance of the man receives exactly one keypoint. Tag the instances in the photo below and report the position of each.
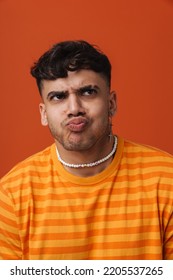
(91, 195)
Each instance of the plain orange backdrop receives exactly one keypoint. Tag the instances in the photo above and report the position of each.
(136, 35)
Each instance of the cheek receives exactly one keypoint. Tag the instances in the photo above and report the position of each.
(100, 110)
(100, 120)
(54, 117)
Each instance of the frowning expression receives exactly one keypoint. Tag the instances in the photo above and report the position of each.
(77, 109)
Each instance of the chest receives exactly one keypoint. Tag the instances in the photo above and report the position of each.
(66, 222)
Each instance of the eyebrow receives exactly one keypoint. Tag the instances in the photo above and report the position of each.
(80, 89)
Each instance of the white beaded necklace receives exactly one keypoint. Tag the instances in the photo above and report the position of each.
(92, 163)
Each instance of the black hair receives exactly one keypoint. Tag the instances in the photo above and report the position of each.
(70, 56)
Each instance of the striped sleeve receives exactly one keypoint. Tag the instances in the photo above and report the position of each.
(168, 244)
(167, 220)
(9, 234)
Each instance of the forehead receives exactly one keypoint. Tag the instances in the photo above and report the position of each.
(75, 80)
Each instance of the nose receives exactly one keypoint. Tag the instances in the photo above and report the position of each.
(75, 107)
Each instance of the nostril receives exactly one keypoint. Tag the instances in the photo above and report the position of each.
(78, 114)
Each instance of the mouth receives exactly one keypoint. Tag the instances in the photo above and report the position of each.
(77, 124)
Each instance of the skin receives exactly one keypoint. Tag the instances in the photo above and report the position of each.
(77, 110)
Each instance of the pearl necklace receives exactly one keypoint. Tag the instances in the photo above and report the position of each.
(92, 163)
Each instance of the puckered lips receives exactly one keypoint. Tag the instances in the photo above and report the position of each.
(77, 124)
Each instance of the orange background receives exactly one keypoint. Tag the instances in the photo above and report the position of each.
(136, 35)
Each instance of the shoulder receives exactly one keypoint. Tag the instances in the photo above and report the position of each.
(36, 162)
(150, 164)
(132, 148)
(147, 158)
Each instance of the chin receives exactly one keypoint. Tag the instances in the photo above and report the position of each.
(77, 144)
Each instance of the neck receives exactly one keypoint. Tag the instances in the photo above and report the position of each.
(98, 152)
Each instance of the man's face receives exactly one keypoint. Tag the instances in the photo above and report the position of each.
(77, 109)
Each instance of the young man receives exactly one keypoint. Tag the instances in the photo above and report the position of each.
(91, 195)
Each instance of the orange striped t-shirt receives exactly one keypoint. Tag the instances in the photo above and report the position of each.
(124, 212)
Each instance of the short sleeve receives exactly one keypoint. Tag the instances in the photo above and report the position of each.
(10, 245)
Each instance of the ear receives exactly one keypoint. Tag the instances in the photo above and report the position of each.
(43, 114)
(112, 103)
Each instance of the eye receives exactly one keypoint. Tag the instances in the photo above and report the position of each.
(88, 92)
(57, 96)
